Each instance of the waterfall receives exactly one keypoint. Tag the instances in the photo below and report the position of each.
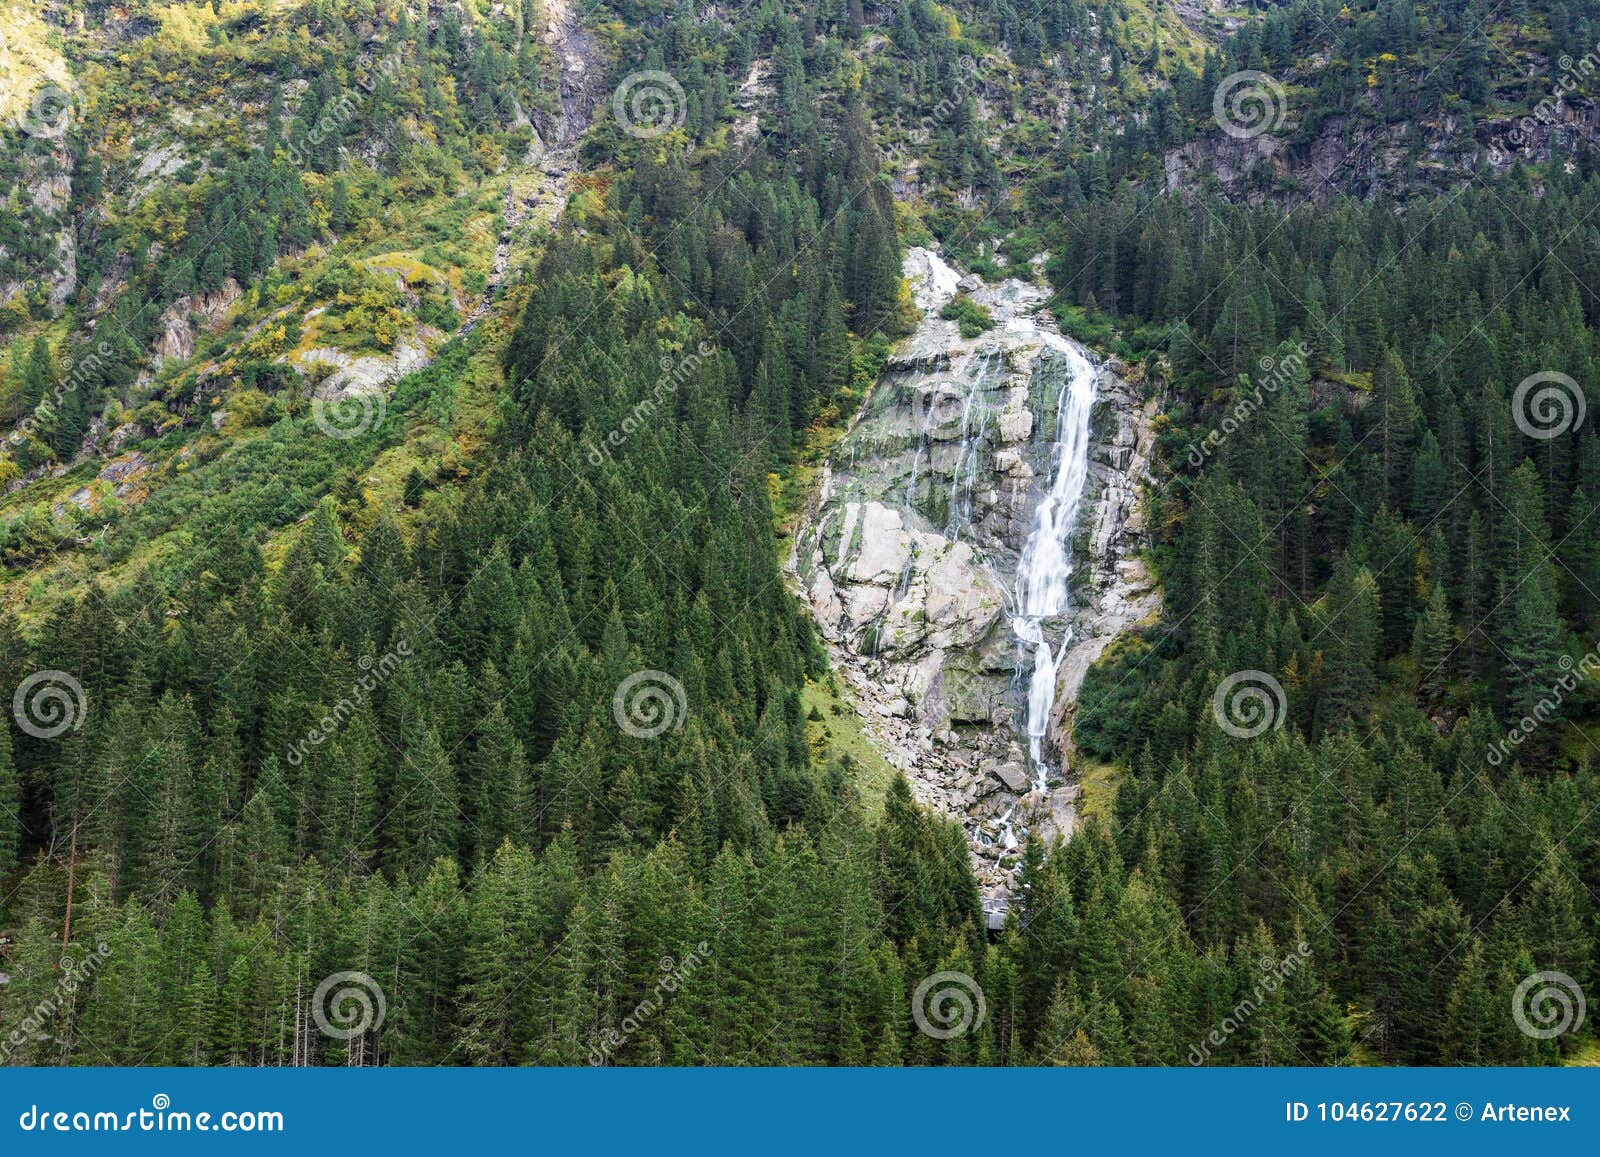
(1045, 570)
(960, 631)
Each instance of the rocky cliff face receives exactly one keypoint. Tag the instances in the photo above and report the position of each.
(1350, 156)
(920, 558)
(38, 201)
(38, 252)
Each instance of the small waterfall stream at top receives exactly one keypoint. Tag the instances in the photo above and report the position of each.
(1045, 569)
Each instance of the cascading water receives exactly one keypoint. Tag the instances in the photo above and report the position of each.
(1045, 569)
(939, 560)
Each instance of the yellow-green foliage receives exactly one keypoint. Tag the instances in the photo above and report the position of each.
(414, 272)
(245, 409)
(27, 59)
(184, 28)
(1099, 787)
(1179, 43)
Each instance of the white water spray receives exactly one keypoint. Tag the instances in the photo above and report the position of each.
(1044, 572)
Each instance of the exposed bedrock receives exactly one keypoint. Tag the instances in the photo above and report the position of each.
(975, 538)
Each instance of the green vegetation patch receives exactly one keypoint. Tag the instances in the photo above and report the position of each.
(837, 736)
(973, 318)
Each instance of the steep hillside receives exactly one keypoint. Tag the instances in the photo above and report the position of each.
(645, 532)
(266, 213)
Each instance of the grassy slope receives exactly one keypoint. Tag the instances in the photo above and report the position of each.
(28, 59)
(838, 736)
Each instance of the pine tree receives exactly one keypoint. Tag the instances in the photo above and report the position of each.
(11, 826)
(1433, 647)
(415, 487)
(1350, 635)
(1396, 416)
(1530, 631)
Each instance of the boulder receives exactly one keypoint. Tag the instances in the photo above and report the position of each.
(1015, 425)
(1009, 772)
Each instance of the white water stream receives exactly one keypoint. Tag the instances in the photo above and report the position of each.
(1044, 572)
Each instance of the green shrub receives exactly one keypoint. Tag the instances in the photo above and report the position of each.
(968, 314)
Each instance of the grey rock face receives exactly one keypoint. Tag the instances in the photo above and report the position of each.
(909, 555)
(44, 186)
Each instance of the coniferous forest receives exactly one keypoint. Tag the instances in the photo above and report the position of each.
(480, 701)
